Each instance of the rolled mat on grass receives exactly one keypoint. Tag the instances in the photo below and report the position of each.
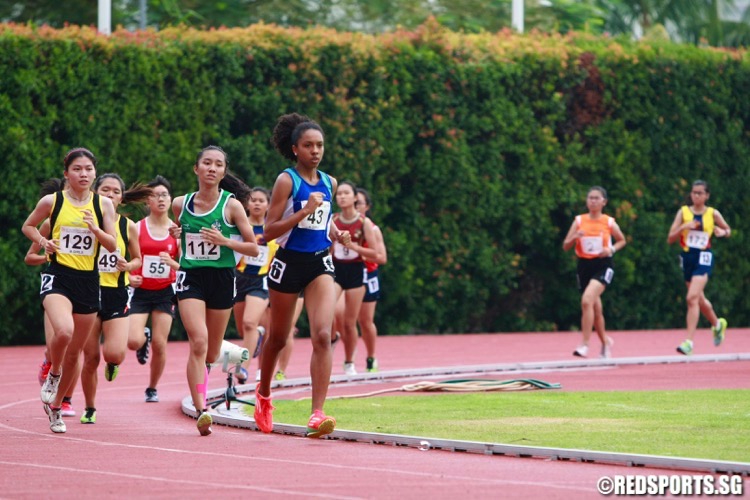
(463, 385)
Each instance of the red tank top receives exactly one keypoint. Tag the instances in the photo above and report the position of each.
(369, 264)
(156, 275)
(356, 229)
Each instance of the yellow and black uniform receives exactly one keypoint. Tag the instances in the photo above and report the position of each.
(73, 268)
(252, 272)
(597, 235)
(697, 258)
(114, 283)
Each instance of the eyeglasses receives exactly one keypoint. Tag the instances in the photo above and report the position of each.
(159, 196)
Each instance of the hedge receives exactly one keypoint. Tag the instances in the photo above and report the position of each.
(478, 150)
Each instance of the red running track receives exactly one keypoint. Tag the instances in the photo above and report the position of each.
(140, 450)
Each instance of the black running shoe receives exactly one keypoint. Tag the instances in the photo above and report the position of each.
(151, 396)
(142, 352)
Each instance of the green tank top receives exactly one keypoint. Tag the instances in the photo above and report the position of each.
(197, 253)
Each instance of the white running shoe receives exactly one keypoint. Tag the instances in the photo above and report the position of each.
(349, 369)
(581, 351)
(49, 389)
(56, 423)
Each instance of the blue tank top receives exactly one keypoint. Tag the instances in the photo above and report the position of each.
(311, 234)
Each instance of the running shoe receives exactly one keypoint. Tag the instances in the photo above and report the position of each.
(263, 414)
(349, 369)
(49, 389)
(66, 410)
(335, 340)
(685, 348)
(151, 396)
(43, 371)
(372, 365)
(241, 375)
(204, 423)
(111, 371)
(142, 353)
(607, 348)
(719, 331)
(581, 351)
(320, 425)
(280, 375)
(89, 416)
(56, 423)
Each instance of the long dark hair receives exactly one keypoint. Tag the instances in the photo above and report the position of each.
(288, 130)
(368, 200)
(136, 193)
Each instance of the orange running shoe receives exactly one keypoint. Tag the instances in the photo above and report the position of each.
(43, 371)
(320, 425)
(263, 412)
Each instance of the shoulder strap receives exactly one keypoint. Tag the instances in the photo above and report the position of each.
(56, 207)
(98, 210)
(124, 230)
(296, 180)
(326, 181)
(687, 214)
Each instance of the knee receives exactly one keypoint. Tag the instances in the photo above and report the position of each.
(158, 347)
(199, 347)
(321, 339)
(91, 361)
(276, 341)
(693, 299)
(64, 335)
(587, 302)
(249, 326)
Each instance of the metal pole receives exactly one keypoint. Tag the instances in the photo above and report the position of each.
(143, 11)
(105, 17)
(517, 18)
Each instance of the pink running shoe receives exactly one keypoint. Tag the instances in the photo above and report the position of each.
(43, 371)
(263, 412)
(66, 409)
(320, 425)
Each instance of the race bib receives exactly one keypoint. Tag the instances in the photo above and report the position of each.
(107, 262)
(259, 260)
(373, 285)
(318, 220)
(697, 239)
(592, 245)
(76, 241)
(153, 267)
(179, 282)
(47, 281)
(196, 248)
(705, 258)
(276, 271)
(340, 252)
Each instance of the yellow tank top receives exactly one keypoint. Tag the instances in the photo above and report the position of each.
(699, 238)
(78, 247)
(109, 276)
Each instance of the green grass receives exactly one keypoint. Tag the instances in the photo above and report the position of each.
(708, 424)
